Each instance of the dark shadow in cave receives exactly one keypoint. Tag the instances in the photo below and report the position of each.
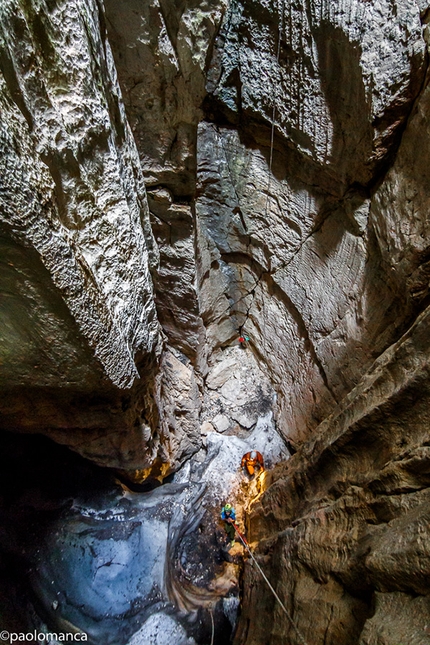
(79, 548)
(38, 482)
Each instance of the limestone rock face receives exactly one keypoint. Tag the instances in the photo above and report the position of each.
(337, 78)
(292, 245)
(73, 189)
(347, 516)
(79, 332)
(162, 51)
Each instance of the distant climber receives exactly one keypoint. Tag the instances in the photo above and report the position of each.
(244, 340)
(251, 460)
(228, 514)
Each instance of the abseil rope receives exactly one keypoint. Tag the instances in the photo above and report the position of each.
(213, 626)
(272, 134)
(272, 141)
(284, 609)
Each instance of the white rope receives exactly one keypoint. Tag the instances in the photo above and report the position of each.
(284, 609)
(213, 626)
(272, 134)
(272, 141)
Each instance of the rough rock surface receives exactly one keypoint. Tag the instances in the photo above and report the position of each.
(347, 516)
(314, 290)
(78, 317)
(80, 340)
(161, 52)
(125, 566)
(73, 189)
(265, 173)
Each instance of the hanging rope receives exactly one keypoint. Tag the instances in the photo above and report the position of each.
(272, 141)
(213, 626)
(281, 604)
(272, 134)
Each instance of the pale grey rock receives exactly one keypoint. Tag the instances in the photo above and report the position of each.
(233, 391)
(175, 281)
(161, 629)
(340, 95)
(245, 418)
(295, 287)
(161, 59)
(222, 466)
(83, 317)
(179, 404)
(221, 373)
(73, 190)
(316, 252)
(221, 422)
(161, 52)
(237, 391)
(206, 427)
(400, 209)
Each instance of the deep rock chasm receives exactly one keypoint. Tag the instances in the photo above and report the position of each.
(176, 174)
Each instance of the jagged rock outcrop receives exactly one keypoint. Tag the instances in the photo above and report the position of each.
(347, 516)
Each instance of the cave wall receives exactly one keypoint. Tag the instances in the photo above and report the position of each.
(343, 525)
(319, 252)
(285, 246)
(80, 336)
(291, 244)
(291, 248)
(73, 189)
(253, 167)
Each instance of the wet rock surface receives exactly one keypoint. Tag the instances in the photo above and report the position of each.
(129, 565)
(110, 562)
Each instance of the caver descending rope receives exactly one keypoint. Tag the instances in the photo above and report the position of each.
(281, 604)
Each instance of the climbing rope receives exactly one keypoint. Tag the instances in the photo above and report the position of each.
(272, 142)
(213, 626)
(284, 609)
(272, 134)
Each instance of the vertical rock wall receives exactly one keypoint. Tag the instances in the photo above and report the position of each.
(78, 317)
(343, 526)
(73, 189)
(162, 51)
(290, 249)
(80, 337)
